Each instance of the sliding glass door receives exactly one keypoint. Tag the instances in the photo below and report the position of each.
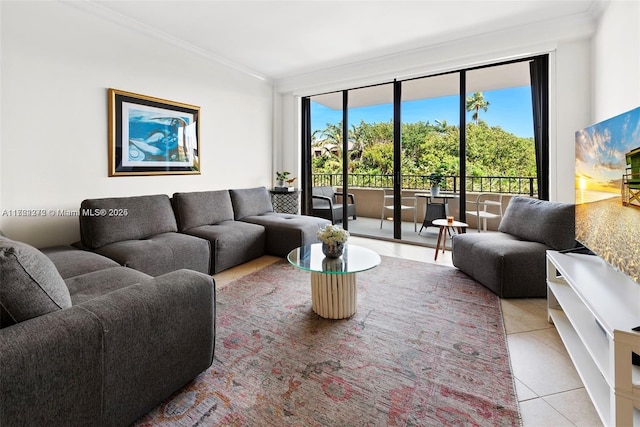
(352, 150)
(430, 145)
(499, 144)
(386, 144)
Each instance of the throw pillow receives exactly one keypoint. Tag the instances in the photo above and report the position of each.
(30, 285)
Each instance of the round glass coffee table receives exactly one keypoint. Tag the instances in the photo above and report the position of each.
(333, 280)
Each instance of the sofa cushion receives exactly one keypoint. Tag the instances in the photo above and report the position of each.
(161, 253)
(232, 242)
(198, 208)
(288, 231)
(71, 261)
(250, 202)
(97, 283)
(550, 223)
(30, 285)
(104, 221)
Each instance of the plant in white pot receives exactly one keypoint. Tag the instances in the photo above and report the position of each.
(436, 180)
(281, 177)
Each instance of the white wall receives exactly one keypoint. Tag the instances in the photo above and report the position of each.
(567, 43)
(57, 62)
(570, 108)
(616, 61)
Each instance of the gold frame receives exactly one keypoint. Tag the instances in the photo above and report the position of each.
(160, 137)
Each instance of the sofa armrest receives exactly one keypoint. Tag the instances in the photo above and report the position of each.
(51, 370)
(158, 336)
(351, 196)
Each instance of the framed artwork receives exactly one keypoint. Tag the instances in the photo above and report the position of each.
(152, 136)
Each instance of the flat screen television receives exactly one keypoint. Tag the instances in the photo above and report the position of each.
(608, 191)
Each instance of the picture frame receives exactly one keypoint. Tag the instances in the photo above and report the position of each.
(152, 136)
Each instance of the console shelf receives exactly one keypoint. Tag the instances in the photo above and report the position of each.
(594, 309)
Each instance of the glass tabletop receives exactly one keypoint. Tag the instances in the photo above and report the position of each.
(354, 259)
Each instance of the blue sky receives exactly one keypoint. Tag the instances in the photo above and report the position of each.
(601, 149)
(508, 108)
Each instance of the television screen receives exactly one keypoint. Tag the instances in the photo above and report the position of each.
(608, 191)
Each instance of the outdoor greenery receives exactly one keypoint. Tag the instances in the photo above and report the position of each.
(427, 148)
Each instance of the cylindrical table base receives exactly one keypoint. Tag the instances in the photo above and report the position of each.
(333, 296)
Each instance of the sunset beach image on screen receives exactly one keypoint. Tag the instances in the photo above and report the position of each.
(607, 185)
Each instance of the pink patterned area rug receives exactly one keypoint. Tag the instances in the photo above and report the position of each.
(426, 347)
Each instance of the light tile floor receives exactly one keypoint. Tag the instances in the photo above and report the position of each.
(549, 389)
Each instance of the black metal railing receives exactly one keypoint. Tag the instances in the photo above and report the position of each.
(491, 184)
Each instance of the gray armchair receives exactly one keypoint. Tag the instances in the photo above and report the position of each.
(512, 262)
(327, 205)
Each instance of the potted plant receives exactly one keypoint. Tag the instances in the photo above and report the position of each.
(436, 180)
(281, 177)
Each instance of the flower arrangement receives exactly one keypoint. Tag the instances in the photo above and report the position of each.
(332, 234)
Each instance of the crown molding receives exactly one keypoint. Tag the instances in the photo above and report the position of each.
(437, 56)
(93, 8)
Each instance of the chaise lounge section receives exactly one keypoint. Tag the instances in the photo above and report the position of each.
(284, 232)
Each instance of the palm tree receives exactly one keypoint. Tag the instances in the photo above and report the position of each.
(475, 103)
(357, 140)
(329, 140)
(441, 125)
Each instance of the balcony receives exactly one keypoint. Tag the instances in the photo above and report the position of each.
(516, 185)
(369, 196)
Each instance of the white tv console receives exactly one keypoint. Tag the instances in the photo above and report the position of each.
(595, 308)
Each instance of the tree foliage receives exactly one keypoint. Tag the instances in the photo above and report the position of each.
(490, 150)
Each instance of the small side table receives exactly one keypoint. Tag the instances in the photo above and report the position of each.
(445, 226)
(285, 201)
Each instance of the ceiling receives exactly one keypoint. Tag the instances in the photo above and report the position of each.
(275, 39)
(483, 79)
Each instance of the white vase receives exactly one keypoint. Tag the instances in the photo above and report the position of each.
(435, 191)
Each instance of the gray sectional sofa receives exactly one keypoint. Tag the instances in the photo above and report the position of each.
(512, 262)
(87, 342)
(100, 332)
(206, 231)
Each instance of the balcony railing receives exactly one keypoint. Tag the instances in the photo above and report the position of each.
(492, 184)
